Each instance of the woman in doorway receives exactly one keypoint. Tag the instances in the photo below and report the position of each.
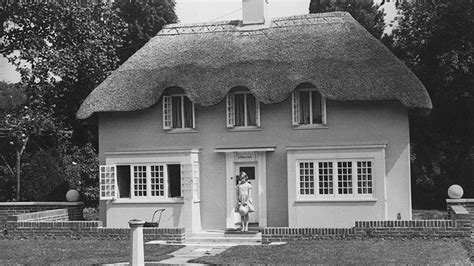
(244, 202)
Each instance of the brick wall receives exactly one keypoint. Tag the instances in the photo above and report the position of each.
(401, 229)
(74, 209)
(84, 230)
(468, 204)
(42, 216)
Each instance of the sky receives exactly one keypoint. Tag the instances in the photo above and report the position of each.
(192, 11)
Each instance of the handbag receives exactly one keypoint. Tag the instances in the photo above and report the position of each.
(243, 210)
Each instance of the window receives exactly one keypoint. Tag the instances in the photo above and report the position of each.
(243, 110)
(107, 182)
(147, 181)
(178, 112)
(335, 178)
(309, 108)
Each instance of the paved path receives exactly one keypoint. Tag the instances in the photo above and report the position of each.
(208, 243)
(183, 255)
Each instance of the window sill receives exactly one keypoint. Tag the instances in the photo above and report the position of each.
(154, 201)
(181, 130)
(240, 129)
(336, 200)
(310, 127)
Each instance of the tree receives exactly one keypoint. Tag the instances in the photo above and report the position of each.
(365, 12)
(21, 124)
(436, 40)
(144, 20)
(11, 95)
(63, 52)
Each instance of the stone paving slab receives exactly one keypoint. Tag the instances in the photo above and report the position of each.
(183, 255)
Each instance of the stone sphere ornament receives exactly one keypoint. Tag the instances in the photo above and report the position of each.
(455, 191)
(72, 195)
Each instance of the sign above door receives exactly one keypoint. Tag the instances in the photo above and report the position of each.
(245, 157)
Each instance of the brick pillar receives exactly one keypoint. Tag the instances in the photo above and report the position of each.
(467, 204)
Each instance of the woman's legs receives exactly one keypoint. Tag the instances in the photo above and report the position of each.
(246, 222)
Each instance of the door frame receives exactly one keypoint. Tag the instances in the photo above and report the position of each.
(233, 159)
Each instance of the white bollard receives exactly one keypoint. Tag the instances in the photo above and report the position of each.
(137, 255)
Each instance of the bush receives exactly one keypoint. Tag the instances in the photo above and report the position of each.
(48, 174)
(42, 179)
(7, 184)
(80, 166)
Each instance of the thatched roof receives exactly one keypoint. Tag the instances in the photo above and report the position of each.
(330, 50)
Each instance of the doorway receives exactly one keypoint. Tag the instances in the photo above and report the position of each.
(251, 170)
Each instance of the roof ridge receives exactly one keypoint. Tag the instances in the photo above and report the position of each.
(232, 25)
(314, 15)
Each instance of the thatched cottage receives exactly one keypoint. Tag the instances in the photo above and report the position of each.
(313, 108)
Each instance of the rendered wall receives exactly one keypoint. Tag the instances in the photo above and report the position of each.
(118, 214)
(348, 123)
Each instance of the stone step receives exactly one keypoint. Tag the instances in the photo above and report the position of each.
(224, 239)
(210, 235)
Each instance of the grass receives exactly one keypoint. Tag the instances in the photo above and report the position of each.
(372, 251)
(68, 251)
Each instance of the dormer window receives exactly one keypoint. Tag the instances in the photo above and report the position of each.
(178, 112)
(309, 108)
(243, 110)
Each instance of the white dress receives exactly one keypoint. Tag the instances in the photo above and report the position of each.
(243, 195)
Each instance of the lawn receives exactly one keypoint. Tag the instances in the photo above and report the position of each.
(372, 251)
(68, 251)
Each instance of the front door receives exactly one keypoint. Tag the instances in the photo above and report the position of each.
(251, 170)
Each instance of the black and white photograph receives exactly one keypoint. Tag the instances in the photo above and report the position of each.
(236, 132)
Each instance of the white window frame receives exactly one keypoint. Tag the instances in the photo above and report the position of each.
(168, 113)
(113, 194)
(148, 181)
(296, 109)
(230, 110)
(107, 182)
(335, 195)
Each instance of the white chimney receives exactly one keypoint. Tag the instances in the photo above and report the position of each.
(254, 12)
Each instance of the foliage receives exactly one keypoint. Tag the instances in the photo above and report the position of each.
(20, 124)
(49, 174)
(7, 184)
(436, 42)
(43, 180)
(365, 12)
(11, 95)
(23, 122)
(144, 19)
(80, 166)
(62, 52)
